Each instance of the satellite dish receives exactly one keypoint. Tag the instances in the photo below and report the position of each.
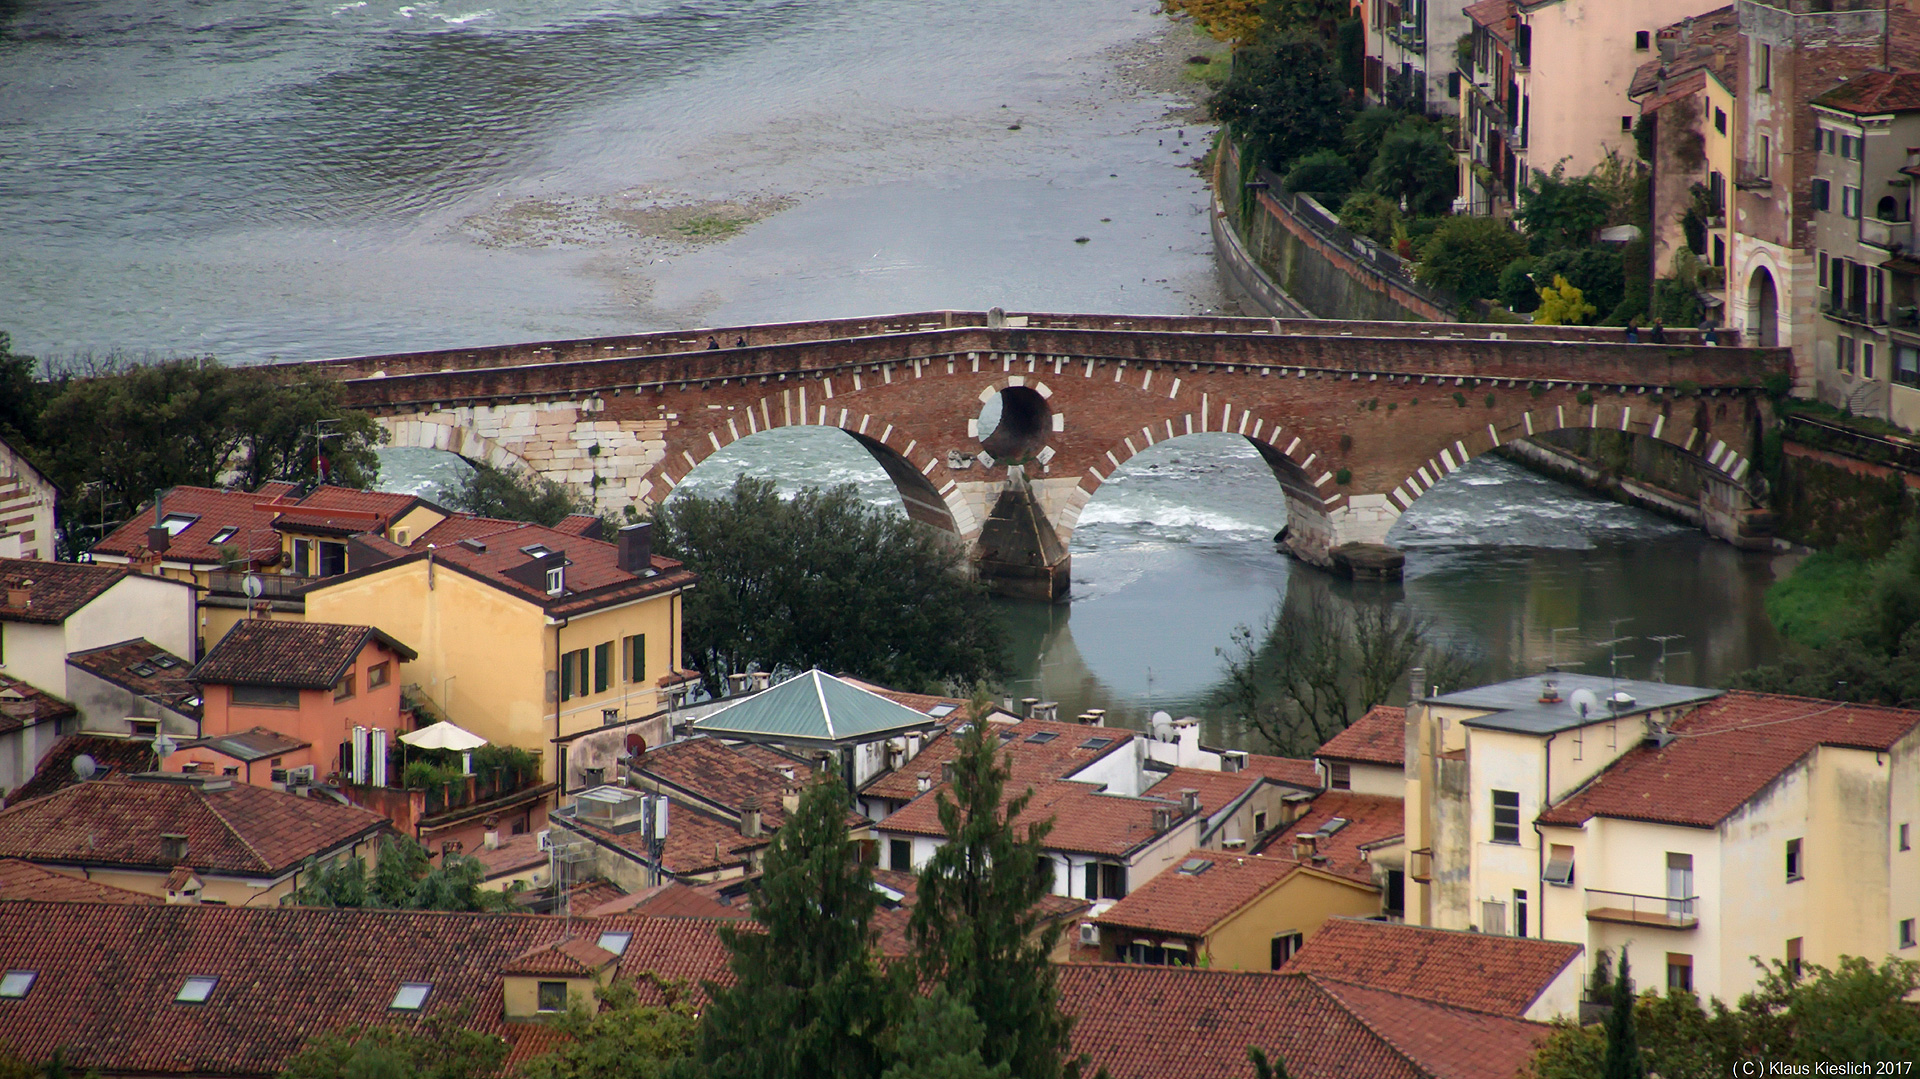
(253, 586)
(163, 746)
(636, 745)
(1162, 717)
(84, 767)
(1584, 703)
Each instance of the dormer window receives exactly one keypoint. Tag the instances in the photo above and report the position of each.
(173, 848)
(556, 580)
(16, 984)
(411, 996)
(196, 990)
(552, 997)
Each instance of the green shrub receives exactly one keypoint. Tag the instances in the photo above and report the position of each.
(1324, 174)
(1460, 399)
(1467, 254)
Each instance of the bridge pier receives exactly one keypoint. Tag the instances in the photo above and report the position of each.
(1350, 540)
(1019, 552)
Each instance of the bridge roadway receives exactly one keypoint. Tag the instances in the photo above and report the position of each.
(1355, 419)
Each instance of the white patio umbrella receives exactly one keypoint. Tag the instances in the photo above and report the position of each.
(445, 735)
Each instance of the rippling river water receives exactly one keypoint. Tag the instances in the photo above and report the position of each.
(258, 179)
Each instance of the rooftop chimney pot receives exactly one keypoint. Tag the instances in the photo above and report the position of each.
(924, 782)
(1189, 801)
(636, 548)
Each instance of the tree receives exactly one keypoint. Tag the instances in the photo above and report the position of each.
(939, 1037)
(1517, 290)
(1559, 212)
(1623, 1059)
(1416, 167)
(1562, 305)
(440, 1046)
(1595, 271)
(1262, 1068)
(1226, 20)
(514, 494)
(1324, 174)
(404, 878)
(1466, 254)
(21, 396)
(1366, 213)
(808, 998)
(1283, 99)
(976, 925)
(824, 580)
(621, 1037)
(1360, 139)
(285, 430)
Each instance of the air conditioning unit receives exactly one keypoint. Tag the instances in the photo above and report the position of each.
(1089, 933)
(278, 775)
(545, 836)
(302, 776)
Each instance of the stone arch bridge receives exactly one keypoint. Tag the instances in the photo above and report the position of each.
(1356, 420)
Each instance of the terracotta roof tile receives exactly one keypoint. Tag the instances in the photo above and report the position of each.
(670, 899)
(1292, 771)
(231, 828)
(919, 702)
(1070, 748)
(1379, 737)
(25, 881)
(697, 842)
(1189, 903)
(1370, 819)
(1874, 92)
(143, 669)
(298, 655)
(1142, 1022)
(1727, 751)
(110, 755)
(22, 705)
(890, 918)
(253, 520)
(55, 590)
(711, 770)
(285, 973)
(570, 956)
(1482, 971)
(515, 853)
(1496, 15)
(1085, 820)
(1685, 52)
(252, 744)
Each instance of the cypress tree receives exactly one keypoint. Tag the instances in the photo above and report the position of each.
(1624, 1060)
(808, 997)
(976, 925)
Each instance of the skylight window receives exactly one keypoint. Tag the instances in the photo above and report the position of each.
(1008, 736)
(1043, 737)
(196, 989)
(411, 996)
(224, 535)
(615, 942)
(1331, 827)
(941, 711)
(535, 549)
(176, 523)
(15, 984)
(1193, 867)
(141, 670)
(167, 662)
(1096, 743)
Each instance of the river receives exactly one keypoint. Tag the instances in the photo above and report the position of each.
(257, 180)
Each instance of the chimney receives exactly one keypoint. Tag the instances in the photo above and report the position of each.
(1417, 683)
(20, 593)
(923, 782)
(636, 548)
(946, 772)
(158, 538)
(490, 839)
(1047, 710)
(1030, 707)
(738, 683)
(1233, 760)
(1098, 717)
(761, 679)
(1162, 818)
(750, 817)
(1305, 846)
(1189, 801)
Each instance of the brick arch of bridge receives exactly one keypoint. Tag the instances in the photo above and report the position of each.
(453, 433)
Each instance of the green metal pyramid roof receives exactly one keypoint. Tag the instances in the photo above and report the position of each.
(814, 708)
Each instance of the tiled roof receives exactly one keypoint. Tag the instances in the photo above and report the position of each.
(459, 527)
(1727, 751)
(919, 702)
(890, 918)
(696, 842)
(1292, 771)
(253, 520)
(110, 756)
(25, 881)
(22, 705)
(1085, 820)
(1379, 737)
(1190, 904)
(1684, 52)
(252, 744)
(1496, 15)
(1873, 92)
(514, 854)
(569, 956)
(814, 708)
(1144, 1022)
(143, 669)
(1071, 748)
(297, 655)
(670, 899)
(1370, 819)
(56, 590)
(231, 828)
(285, 974)
(711, 770)
(1483, 971)
(594, 578)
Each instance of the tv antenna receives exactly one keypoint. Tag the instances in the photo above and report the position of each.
(1553, 648)
(1660, 665)
(1612, 645)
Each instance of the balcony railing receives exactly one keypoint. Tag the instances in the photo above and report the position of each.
(1850, 309)
(447, 789)
(1886, 235)
(272, 585)
(1664, 912)
(1752, 173)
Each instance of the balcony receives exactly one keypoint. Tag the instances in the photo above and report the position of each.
(432, 781)
(1408, 35)
(273, 586)
(1886, 235)
(1751, 174)
(1656, 911)
(1853, 310)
